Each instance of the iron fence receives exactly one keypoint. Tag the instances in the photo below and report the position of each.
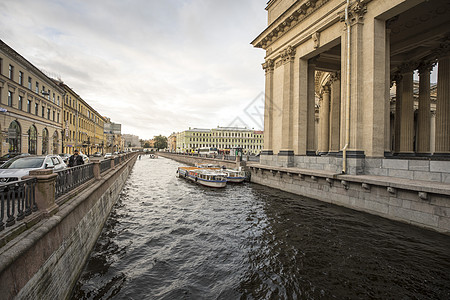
(70, 178)
(105, 165)
(17, 201)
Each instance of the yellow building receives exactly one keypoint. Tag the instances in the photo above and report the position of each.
(30, 106)
(83, 126)
(172, 142)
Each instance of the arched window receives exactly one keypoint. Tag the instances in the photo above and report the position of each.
(45, 141)
(14, 137)
(32, 140)
(55, 142)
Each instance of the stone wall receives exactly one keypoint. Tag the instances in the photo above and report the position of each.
(414, 169)
(46, 260)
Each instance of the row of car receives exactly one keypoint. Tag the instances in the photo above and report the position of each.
(14, 166)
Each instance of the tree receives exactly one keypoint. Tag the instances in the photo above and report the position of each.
(160, 142)
(147, 145)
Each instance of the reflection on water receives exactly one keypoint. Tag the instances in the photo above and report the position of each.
(170, 239)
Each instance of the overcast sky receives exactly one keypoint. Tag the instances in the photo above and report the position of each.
(154, 66)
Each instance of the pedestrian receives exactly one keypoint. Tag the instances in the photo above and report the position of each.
(75, 159)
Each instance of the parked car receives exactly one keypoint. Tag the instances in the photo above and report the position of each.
(85, 158)
(65, 157)
(97, 154)
(108, 155)
(10, 155)
(15, 169)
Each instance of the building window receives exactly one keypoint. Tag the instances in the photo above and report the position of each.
(36, 109)
(37, 87)
(10, 98)
(19, 106)
(29, 83)
(29, 106)
(48, 113)
(20, 77)
(53, 116)
(57, 119)
(43, 111)
(11, 72)
(53, 97)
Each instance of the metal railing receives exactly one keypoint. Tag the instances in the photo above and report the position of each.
(17, 201)
(70, 178)
(105, 165)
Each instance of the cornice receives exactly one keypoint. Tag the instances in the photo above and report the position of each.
(286, 21)
(32, 68)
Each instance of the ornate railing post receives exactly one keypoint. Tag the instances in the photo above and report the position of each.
(45, 190)
(97, 169)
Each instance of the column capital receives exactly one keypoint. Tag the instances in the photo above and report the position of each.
(444, 48)
(288, 54)
(355, 13)
(426, 66)
(335, 76)
(326, 89)
(268, 65)
(407, 67)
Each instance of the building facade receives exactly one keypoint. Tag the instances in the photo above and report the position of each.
(172, 142)
(329, 68)
(113, 136)
(131, 140)
(83, 126)
(222, 138)
(31, 105)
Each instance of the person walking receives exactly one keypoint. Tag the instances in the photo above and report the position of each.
(75, 159)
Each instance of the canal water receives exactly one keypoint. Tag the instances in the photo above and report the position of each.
(168, 238)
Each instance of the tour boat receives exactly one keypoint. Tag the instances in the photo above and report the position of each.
(206, 177)
(235, 176)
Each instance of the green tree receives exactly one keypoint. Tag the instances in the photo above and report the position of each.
(147, 145)
(160, 142)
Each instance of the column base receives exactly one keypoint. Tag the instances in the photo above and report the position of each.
(441, 155)
(333, 153)
(322, 153)
(286, 153)
(267, 152)
(388, 154)
(311, 153)
(427, 154)
(405, 154)
(353, 154)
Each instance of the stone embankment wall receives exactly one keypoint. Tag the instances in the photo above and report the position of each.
(45, 261)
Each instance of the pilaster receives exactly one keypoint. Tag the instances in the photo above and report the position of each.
(311, 98)
(324, 117)
(424, 113)
(268, 66)
(335, 104)
(287, 56)
(443, 105)
(406, 138)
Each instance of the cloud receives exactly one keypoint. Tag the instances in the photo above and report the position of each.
(153, 66)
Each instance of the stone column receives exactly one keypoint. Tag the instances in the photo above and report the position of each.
(405, 112)
(310, 144)
(335, 113)
(324, 120)
(397, 78)
(424, 113)
(443, 106)
(268, 66)
(301, 109)
(288, 57)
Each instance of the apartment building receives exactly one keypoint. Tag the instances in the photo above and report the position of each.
(30, 106)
